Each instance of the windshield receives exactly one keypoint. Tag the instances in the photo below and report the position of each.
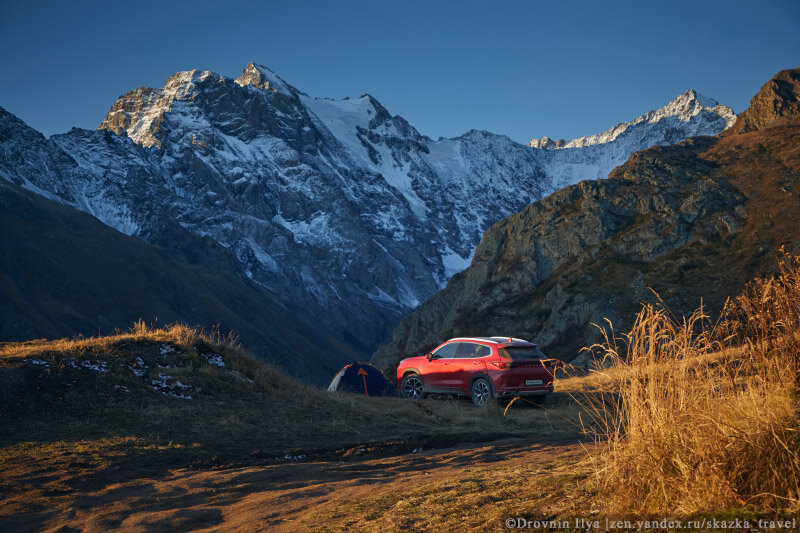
(519, 353)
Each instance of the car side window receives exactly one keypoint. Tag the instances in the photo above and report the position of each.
(469, 350)
(448, 351)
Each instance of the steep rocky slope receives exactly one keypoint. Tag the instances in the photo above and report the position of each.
(695, 220)
(775, 102)
(63, 273)
(336, 206)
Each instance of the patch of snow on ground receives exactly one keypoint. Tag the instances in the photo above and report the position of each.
(166, 349)
(168, 385)
(138, 367)
(266, 260)
(290, 457)
(37, 362)
(214, 359)
(381, 297)
(110, 212)
(97, 367)
(314, 231)
(342, 118)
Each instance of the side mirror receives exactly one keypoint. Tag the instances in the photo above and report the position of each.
(429, 356)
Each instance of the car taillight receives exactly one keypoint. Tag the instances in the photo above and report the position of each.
(500, 364)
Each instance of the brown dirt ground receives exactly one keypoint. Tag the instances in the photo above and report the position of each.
(287, 496)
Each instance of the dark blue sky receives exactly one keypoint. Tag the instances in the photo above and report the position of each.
(524, 68)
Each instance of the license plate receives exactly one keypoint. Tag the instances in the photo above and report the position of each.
(533, 382)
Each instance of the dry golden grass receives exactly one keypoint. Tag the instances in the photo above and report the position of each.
(701, 416)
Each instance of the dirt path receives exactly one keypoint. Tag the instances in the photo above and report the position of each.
(282, 497)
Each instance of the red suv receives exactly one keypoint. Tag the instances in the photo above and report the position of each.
(479, 367)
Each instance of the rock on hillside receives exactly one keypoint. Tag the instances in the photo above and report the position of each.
(695, 220)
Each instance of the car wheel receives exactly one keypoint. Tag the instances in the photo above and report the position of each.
(411, 387)
(480, 391)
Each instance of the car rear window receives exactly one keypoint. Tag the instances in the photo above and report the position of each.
(470, 350)
(519, 353)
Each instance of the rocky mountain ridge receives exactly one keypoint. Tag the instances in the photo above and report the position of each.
(594, 156)
(682, 109)
(776, 102)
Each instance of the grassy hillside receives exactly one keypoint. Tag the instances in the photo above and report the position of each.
(176, 394)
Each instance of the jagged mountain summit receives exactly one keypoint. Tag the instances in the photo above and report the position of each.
(335, 205)
(594, 156)
(683, 108)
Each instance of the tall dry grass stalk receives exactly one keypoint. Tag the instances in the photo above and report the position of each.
(705, 415)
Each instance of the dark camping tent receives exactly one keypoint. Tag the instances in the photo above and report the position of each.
(362, 378)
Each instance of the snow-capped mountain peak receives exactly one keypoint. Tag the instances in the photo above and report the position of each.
(686, 106)
(139, 113)
(263, 78)
(594, 156)
(703, 101)
(682, 108)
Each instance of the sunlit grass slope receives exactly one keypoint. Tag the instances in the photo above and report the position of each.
(702, 416)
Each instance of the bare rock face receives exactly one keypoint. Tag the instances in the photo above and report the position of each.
(546, 143)
(129, 109)
(692, 221)
(778, 100)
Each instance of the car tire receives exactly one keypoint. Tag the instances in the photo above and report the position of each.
(411, 387)
(481, 392)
